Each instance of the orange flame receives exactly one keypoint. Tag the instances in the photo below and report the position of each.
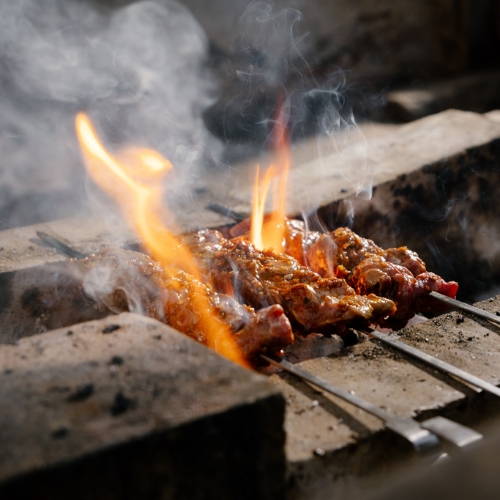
(260, 189)
(133, 179)
(269, 232)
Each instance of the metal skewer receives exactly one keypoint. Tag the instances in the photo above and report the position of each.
(423, 436)
(435, 362)
(238, 217)
(60, 246)
(466, 307)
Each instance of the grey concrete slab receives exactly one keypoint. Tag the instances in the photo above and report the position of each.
(337, 451)
(127, 407)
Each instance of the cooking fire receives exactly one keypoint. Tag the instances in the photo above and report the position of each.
(258, 307)
(232, 296)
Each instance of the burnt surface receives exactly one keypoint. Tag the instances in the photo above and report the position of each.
(43, 298)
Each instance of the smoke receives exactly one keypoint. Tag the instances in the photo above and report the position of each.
(274, 59)
(138, 71)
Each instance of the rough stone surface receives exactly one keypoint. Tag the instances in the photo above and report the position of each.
(493, 115)
(128, 408)
(21, 248)
(346, 164)
(37, 294)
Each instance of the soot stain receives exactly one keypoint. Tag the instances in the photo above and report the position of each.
(32, 302)
(110, 328)
(122, 404)
(116, 360)
(60, 433)
(6, 285)
(82, 392)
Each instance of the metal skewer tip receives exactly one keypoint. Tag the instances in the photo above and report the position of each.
(425, 443)
(480, 313)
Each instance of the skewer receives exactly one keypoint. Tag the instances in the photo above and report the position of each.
(435, 362)
(60, 246)
(423, 436)
(466, 307)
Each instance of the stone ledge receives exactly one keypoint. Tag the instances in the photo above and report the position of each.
(139, 412)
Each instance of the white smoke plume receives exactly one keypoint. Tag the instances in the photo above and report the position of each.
(137, 70)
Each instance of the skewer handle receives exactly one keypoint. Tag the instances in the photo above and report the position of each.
(424, 442)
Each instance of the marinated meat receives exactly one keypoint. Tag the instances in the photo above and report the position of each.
(335, 253)
(130, 281)
(406, 258)
(261, 279)
(338, 252)
(395, 273)
(410, 294)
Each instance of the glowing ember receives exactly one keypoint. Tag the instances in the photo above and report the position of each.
(269, 231)
(132, 177)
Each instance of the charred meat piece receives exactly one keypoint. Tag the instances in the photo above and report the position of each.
(123, 280)
(410, 294)
(338, 252)
(261, 279)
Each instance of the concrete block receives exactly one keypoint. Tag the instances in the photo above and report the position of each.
(126, 407)
(337, 451)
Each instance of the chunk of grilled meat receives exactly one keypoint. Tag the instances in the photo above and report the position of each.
(335, 253)
(124, 280)
(411, 294)
(263, 278)
(338, 252)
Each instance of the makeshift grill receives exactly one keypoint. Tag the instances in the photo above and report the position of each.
(424, 435)
(307, 457)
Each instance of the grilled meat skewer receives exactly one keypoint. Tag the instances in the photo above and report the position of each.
(395, 273)
(338, 252)
(261, 279)
(124, 280)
